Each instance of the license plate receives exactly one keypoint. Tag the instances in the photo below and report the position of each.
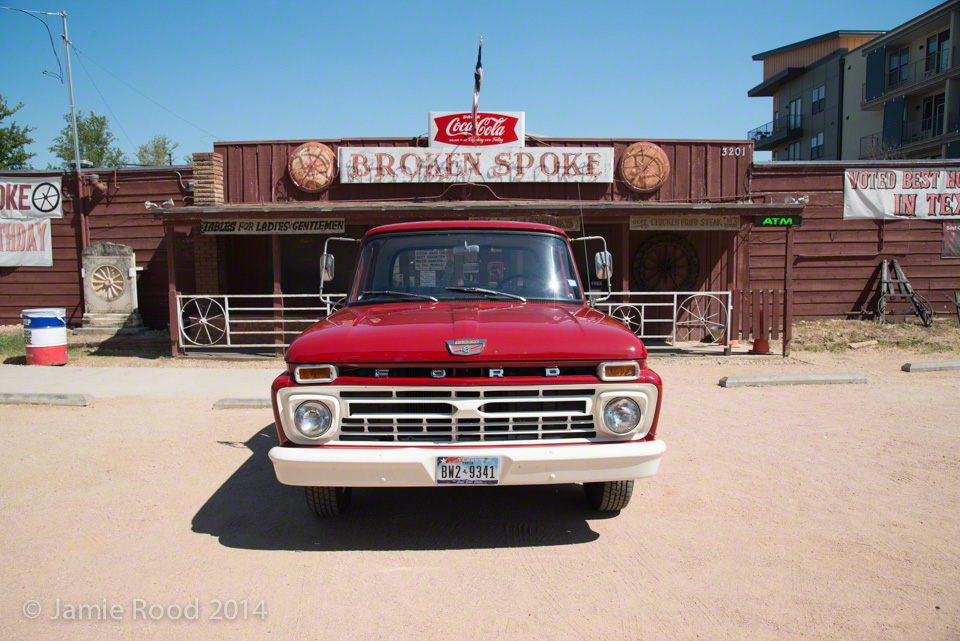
(468, 470)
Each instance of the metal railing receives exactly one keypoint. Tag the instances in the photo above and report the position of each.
(673, 318)
(779, 125)
(217, 321)
(665, 319)
(917, 131)
(903, 77)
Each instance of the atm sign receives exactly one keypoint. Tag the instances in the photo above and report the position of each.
(777, 221)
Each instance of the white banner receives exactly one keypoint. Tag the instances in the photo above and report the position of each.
(26, 206)
(25, 198)
(686, 222)
(25, 243)
(901, 194)
(372, 165)
(285, 226)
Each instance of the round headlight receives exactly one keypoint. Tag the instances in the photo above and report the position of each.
(312, 419)
(621, 415)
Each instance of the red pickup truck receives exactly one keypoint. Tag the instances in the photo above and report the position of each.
(466, 353)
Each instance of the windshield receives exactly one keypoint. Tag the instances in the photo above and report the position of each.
(513, 266)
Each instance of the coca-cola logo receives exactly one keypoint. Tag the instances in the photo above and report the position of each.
(492, 129)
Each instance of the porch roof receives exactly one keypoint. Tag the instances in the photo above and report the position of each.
(244, 210)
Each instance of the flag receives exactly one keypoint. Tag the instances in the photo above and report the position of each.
(477, 81)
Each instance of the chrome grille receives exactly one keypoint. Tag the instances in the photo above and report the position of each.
(468, 415)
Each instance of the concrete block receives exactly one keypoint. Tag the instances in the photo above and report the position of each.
(930, 366)
(73, 400)
(863, 344)
(242, 404)
(792, 379)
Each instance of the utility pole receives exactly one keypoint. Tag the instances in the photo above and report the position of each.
(73, 108)
(66, 50)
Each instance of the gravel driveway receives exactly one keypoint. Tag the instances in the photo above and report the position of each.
(802, 512)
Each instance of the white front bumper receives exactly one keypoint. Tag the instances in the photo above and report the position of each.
(417, 466)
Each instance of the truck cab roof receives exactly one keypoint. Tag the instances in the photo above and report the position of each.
(432, 225)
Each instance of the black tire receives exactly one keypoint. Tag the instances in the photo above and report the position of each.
(328, 502)
(608, 496)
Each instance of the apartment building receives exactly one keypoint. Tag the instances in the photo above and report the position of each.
(903, 91)
(866, 95)
(806, 82)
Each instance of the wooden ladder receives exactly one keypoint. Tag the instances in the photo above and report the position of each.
(895, 287)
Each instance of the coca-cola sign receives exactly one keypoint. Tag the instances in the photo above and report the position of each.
(494, 129)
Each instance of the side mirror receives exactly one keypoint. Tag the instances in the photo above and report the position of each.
(604, 265)
(326, 267)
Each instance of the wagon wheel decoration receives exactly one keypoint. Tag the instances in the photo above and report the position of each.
(666, 263)
(644, 167)
(107, 282)
(202, 321)
(701, 318)
(312, 166)
(630, 316)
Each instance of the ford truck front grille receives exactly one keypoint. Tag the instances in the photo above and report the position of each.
(468, 415)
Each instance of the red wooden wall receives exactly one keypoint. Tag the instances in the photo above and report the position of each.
(255, 172)
(837, 262)
(119, 216)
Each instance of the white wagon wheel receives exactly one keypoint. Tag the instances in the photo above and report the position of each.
(630, 316)
(202, 321)
(701, 318)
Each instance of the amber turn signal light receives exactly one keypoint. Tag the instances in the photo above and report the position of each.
(619, 371)
(315, 374)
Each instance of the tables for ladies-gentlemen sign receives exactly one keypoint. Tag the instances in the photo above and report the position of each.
(901, 194)
(26, 207)
(372, 165)
(280, 226)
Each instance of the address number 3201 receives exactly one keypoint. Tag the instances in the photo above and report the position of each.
(733, 151)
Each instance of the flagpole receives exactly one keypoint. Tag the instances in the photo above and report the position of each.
(477, 81)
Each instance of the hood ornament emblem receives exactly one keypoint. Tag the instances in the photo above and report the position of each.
(466, 346)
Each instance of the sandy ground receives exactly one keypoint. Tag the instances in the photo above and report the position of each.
(805, 512)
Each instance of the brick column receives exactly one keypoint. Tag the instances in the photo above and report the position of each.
(207, 191)
(206, 265)
(208, 179)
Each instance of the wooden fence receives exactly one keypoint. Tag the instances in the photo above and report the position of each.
(763, 314)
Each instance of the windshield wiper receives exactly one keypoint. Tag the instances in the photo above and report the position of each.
(487, 292)
(386, 292)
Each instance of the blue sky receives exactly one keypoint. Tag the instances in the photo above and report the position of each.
(263, 71)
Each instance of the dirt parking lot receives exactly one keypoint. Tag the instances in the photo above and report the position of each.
(798, 512)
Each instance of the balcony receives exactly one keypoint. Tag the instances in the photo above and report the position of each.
(779, 130)
(902, 80)
(916, 135)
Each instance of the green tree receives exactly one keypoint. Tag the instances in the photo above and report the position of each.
(13, 140)
(156, 152)
(94, 137)
(188, 159)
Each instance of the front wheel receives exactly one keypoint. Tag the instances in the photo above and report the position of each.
(327, 502)
(608, 496)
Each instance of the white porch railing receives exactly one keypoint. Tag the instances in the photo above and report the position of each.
(673, 317)
(236, 321)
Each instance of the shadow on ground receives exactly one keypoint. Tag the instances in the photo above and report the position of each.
(251, 510)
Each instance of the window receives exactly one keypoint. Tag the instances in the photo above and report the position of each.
(932, 120)
(817, 99)
(898, 71)
(793, 151)
(938, 53)
(816, 146)
(536, 266)
(793, 113)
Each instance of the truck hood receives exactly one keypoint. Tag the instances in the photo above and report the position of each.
(417, 333)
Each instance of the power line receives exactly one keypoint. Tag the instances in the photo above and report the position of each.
(58, 76)
(132, 88)
(117, 120)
